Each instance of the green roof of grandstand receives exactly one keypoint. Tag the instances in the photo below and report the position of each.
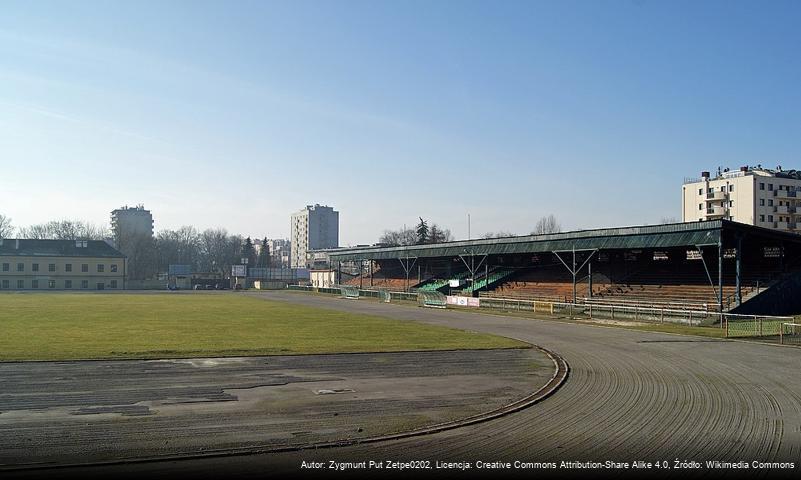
(705, 233)
(57, 248)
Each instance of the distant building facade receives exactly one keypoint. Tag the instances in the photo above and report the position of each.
(315, 227)
(60, 265)
(769, 198)
(132, 228)
(128, 221)
(280, 252)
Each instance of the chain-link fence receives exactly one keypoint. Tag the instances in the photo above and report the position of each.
(790, 333)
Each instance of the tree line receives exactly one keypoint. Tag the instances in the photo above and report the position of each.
(423, 234)
(212, 250)
(420, 235)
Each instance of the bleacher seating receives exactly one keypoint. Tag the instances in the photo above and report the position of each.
(675, 285)
(552, 283)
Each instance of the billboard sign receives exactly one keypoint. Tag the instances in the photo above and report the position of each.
(238, 270)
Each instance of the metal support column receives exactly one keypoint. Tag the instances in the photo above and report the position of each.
(720, 279)
(472, 267)
(573, 271)
(370, 266)
(589, 281)
(738, 294)
(361, 274)
(407, 267)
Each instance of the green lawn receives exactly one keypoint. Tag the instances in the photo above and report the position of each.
(92, 326)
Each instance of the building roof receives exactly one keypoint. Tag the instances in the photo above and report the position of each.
(57, 248)
(706, 233)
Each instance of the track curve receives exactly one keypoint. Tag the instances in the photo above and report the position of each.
(631, 395)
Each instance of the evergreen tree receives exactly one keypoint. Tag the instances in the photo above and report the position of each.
(422, 232)
(249, 252)
(264, 254)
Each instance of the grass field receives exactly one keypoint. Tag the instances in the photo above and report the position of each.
(162, 325)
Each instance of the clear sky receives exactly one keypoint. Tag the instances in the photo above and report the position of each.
(236, 114)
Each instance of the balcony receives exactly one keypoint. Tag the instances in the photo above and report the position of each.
(716, 196)
(716, 211)
(785, 194)
(784, 225)
(784, 209)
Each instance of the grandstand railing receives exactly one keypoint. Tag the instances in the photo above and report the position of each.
(734, 325)
(762, 327)
(380, 294)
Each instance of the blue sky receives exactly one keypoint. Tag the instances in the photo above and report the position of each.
(236, 114)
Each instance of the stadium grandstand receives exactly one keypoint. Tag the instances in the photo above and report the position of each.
(715, 265)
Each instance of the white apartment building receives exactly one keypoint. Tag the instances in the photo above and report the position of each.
(280, 252)
(131, 221)
(313, 228)
(753, 195)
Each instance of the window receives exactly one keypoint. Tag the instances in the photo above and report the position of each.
(761, 218)
(761, 202)
(100, 285)
(708, 190)
(20, 283)
(731, 203)
(6, 267)
(770, 187)
(770, 202)
(34, 283)
(700, 206)
(770, 218)
(700, 191)
(100, 268)
(84, 267)
(114, 268)
(113, 284)
(5, 283)
(84, 283)
(51, 267)
(731, 188)
(67, 283)
(68, 267)
(761, 186)
(35, 267)
(51, 284)
(20, 267)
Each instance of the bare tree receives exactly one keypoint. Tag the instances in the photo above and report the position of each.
(218, 250)
(402, 236)
(438, 234)
(666, 220)
(6, 229)
(178, 247)
(65, 230)
(547, 224)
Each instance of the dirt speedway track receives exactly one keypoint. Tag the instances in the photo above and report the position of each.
(630, 396)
